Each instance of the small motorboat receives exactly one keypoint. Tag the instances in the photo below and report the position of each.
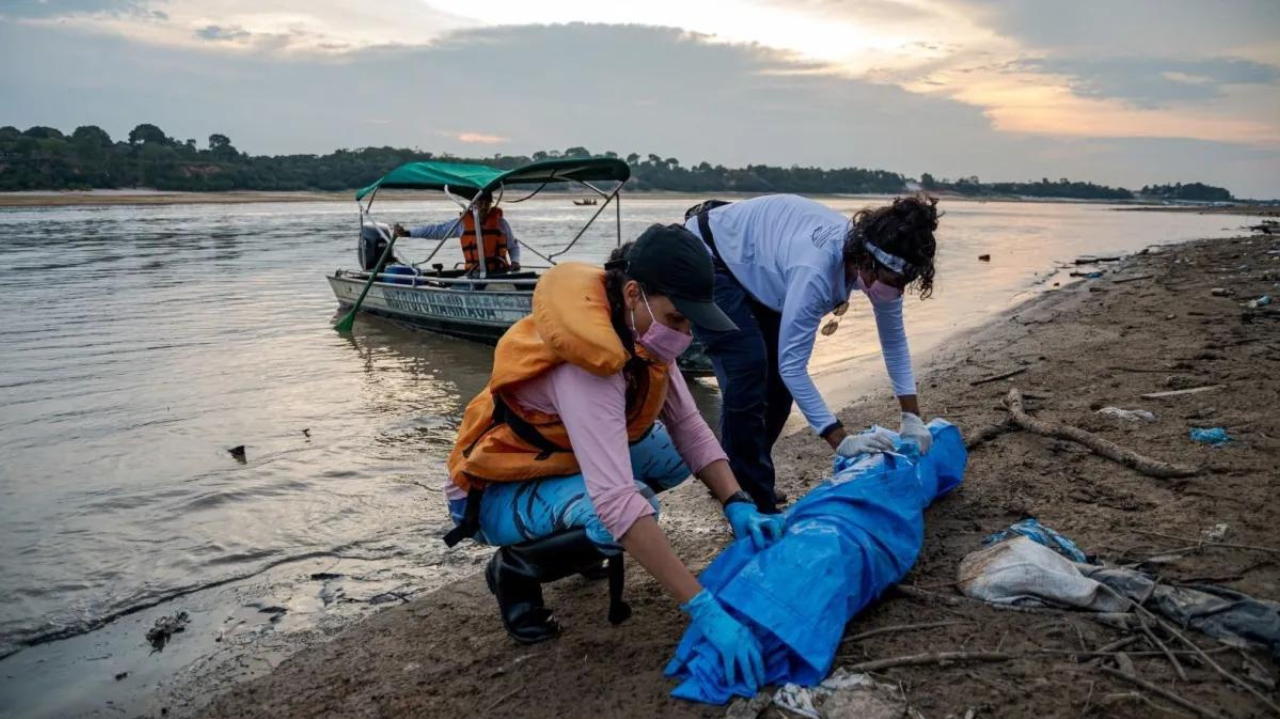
(472, 304)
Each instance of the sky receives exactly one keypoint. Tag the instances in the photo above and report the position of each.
(1127, 93)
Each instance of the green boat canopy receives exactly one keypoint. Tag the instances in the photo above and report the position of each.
(472, 178)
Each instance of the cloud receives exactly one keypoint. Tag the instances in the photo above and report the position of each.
(615, 87)
(1163, 28)
(217, 33)
(478, 138)
(1155, 82)
(279, 26)
(64, 8)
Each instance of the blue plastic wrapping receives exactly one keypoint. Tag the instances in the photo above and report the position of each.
(846, 541)
(1215, 436)
(1032, 529)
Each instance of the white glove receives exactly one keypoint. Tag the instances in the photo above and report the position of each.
(870, 443)
(913, 429)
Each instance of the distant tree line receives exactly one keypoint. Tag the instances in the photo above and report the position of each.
(43, 158)
(1195, 192)
(1063, 188)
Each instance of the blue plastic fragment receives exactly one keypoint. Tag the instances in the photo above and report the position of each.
(1213, 435)
(846, 541)
(1032, 529)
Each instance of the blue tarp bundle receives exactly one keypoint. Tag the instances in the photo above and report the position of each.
(847, 541)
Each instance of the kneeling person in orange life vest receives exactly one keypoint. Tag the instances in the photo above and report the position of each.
(585, 419)
(501, 250)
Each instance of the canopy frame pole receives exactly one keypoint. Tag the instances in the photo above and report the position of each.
(475, 215)
(609, 197)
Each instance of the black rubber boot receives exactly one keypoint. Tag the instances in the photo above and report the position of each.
(519, 598)
(516, 573)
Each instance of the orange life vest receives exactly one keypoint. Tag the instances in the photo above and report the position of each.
(495, 241)
(570, 323)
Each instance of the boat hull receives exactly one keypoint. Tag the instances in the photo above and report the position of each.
(477, 315)
(482, 316)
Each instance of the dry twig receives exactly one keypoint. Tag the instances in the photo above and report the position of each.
(1203, 543)
(1204, 657)
(1142, 683)
(1155, 641)
(997, 378)
(901, 628)
(932, 658)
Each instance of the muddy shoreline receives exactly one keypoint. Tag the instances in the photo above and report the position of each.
(1089, 345)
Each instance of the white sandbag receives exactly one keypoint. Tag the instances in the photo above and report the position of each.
(1020, 571)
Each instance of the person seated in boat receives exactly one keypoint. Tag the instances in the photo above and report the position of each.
(585, 419)
(501, 249)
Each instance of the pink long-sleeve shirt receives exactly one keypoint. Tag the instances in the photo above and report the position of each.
(593, 410)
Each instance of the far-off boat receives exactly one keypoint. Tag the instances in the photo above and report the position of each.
(473, 304)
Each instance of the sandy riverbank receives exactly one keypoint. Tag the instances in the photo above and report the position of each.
(1251, 210)
(1086, 346)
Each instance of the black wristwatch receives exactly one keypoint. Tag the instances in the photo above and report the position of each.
(739, 496)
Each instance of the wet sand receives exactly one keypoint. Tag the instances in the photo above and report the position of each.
(1089, 345)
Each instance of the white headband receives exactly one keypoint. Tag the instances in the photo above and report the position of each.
(893, 262)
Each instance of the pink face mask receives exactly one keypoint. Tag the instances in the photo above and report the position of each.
(879, 292)
(665, 343)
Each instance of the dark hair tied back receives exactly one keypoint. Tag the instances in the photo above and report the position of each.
(615, 278)
(903, 229)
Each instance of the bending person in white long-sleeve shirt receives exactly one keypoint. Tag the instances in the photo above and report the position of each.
(782, 263)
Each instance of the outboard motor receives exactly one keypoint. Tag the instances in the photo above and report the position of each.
(371, 244)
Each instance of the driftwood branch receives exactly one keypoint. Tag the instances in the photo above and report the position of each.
(986, 434)
(1100, 446)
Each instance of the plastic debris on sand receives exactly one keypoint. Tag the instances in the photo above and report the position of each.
(1032, 529)
(1215, 436)
(1130, 415)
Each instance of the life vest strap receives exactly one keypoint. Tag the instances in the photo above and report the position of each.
(704, 229)
(470, 523)
(502, 414)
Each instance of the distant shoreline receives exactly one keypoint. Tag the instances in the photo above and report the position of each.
(146, 197)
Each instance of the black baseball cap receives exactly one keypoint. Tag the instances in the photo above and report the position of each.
(674, 261)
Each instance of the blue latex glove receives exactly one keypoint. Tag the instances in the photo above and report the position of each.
(738, 649)
(747, 521)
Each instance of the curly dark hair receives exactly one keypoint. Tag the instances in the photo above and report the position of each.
(903, 229)
(615, 278)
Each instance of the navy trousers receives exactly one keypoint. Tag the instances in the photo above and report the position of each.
(754, 402)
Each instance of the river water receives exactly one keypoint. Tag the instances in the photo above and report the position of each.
(142, 343)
